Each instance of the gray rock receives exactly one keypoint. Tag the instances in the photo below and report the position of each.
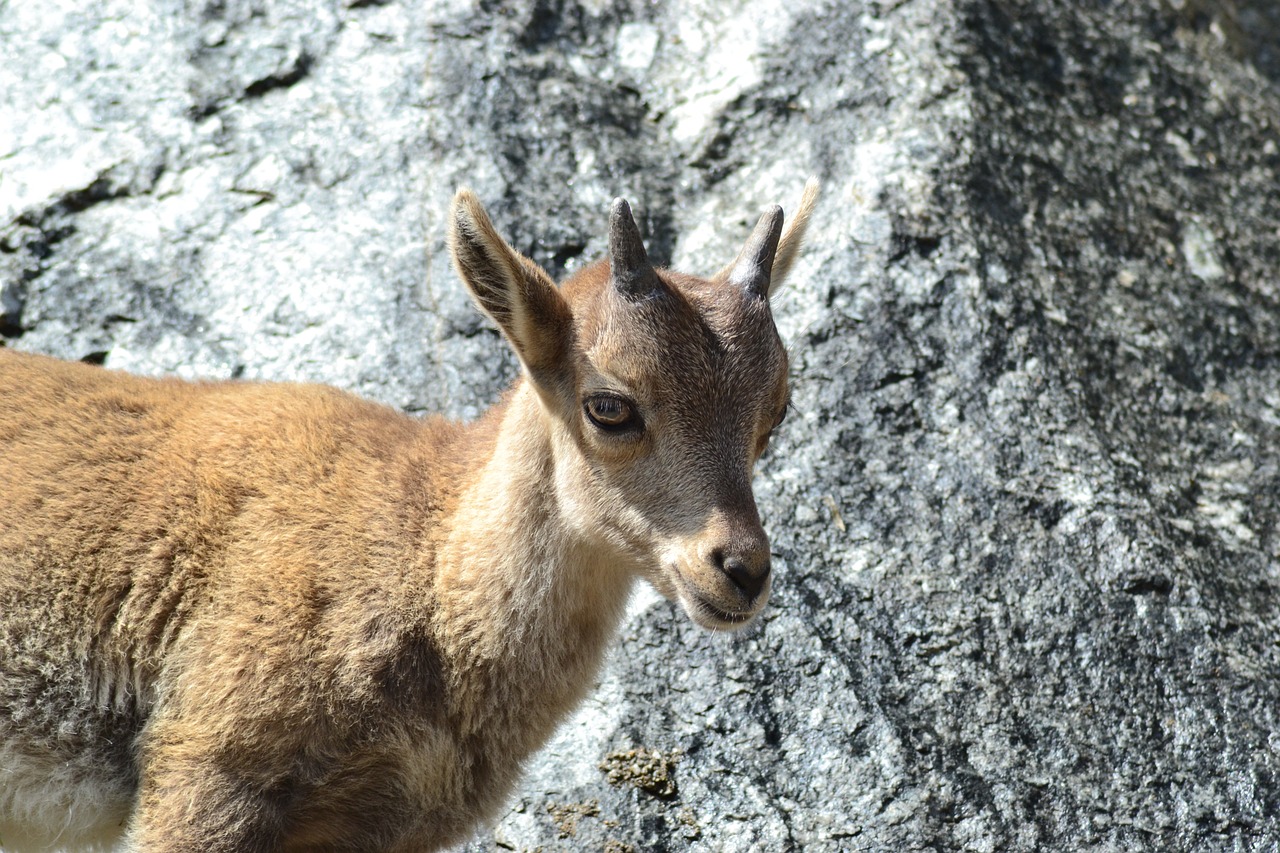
(1025, 511)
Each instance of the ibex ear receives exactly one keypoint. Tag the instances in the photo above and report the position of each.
(513, 290)
(764, 262)
(793, 237)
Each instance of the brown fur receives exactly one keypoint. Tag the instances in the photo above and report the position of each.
(242, 616)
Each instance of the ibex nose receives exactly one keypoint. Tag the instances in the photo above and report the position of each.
(749, 575)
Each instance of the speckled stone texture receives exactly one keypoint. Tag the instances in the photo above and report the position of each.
(1025, 513)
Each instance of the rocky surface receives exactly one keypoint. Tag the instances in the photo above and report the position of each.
(1025, 515)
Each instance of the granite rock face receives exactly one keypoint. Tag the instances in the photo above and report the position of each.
(1025, 514)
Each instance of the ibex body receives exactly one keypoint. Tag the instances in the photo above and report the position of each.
(249, 617)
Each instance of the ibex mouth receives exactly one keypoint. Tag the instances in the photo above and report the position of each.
(704, 609)
(723, 615)
(709, 615)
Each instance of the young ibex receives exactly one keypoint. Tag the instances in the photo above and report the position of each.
(248, 617)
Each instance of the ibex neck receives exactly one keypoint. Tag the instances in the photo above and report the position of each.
(521, 599)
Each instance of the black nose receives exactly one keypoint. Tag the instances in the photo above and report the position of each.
(747, 575)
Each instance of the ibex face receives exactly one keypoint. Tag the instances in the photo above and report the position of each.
(680, 383)
(660, 391)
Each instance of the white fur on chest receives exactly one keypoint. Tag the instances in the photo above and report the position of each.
(51, 805)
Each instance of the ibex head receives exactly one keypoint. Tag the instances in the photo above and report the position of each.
(659, 392)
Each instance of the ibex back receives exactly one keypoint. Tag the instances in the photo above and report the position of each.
(247, 617)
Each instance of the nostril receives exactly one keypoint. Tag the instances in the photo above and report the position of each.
(750, 581)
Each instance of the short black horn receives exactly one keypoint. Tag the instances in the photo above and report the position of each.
(629, 265)
(755, 262)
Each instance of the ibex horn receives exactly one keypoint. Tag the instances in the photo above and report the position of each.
(632, 273)
(755, 262)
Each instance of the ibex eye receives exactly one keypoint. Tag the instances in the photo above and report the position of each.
(610, 412)
(782, 415)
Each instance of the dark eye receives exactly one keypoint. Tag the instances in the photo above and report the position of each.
(611, 412)
(782, 415)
